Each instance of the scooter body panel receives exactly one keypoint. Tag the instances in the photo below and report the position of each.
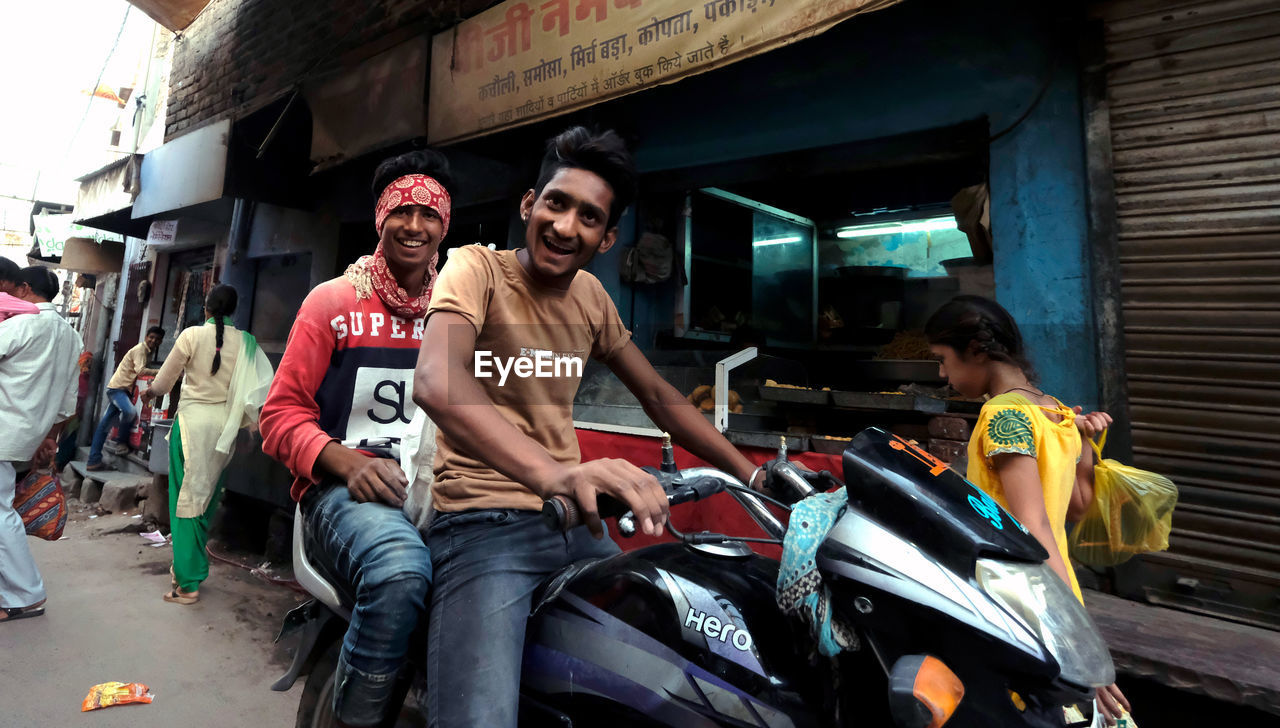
(668, 635)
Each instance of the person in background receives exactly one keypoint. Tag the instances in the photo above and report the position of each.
(120, 407)
(38, 370)
(10, 279)
(1027, 449)
(225, 381)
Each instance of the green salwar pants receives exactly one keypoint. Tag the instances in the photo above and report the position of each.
(190, 535)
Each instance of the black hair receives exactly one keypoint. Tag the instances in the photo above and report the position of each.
(601, 153)
(977, 325)
(423, 161)
(42, 281)
(156, 330)
(9, 271)
(220, 302)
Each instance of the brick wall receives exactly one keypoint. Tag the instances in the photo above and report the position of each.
(240, 55)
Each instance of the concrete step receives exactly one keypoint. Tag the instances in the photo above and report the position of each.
(115, 490)
(133, 463)
(129, 463)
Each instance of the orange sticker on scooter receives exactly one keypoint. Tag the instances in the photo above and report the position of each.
(936, 466)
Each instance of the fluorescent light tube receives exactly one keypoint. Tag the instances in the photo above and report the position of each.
(778, 241)
(916, 226)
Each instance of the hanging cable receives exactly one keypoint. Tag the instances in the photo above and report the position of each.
(1044, 88)
(758, 494)
(92, 94)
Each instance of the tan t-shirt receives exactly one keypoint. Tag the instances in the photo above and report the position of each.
(131, 367)
(532, 343)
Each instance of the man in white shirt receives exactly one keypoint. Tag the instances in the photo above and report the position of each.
(39, 367)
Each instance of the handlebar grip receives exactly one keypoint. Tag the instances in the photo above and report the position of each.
(561, 513)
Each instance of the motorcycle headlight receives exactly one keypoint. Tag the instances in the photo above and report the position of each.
(1035, 596)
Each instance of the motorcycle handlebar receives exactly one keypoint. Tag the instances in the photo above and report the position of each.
(783, 477)
(561, 513)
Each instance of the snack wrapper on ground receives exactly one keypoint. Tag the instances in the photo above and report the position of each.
(115, 693)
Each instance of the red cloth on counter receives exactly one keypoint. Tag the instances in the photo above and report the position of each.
(719, 514)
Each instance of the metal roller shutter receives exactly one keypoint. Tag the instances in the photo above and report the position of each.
(1194, 96)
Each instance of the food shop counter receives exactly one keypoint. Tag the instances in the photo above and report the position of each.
(720, 514)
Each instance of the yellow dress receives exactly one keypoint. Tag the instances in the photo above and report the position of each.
(1011, 423)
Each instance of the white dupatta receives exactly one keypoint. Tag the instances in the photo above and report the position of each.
(247, 392)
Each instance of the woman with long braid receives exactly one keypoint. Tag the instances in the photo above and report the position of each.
(226, 378)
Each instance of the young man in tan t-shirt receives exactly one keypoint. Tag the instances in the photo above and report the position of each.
(120, 406)
(506, 338)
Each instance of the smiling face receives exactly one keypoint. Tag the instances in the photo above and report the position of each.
(566, 225)
(968, 374)
(411, 235)
(153, 341)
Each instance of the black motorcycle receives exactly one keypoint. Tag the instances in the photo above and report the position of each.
(960, 620)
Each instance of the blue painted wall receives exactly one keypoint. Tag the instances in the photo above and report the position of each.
(920, 65)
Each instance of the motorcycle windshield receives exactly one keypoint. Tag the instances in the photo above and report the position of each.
(903, 487)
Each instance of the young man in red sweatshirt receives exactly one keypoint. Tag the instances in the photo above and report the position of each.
(340, 402)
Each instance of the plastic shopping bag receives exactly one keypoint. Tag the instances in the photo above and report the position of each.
(1132, 513)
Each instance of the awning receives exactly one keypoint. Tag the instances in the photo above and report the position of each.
(184, 172)
(342, 104)
(172, 14)
(60, 243)
(53, 231)
(105, 201)
(87, 256)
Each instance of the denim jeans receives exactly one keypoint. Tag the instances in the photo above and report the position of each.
(487, 564)
(375, 556)
(119, 407)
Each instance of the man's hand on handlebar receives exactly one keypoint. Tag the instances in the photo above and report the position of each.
(618, 479)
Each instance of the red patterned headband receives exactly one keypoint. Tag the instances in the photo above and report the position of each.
(413, 189)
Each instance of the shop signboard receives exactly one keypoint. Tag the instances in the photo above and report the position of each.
(162, 233)
(53, 231)
(526, 60)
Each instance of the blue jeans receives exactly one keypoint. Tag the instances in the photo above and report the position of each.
(373, 554)
(119, 407)
(488, 563)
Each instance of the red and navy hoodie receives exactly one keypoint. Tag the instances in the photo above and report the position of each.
(346, 375)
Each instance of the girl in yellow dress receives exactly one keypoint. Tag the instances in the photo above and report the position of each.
(1027, 449)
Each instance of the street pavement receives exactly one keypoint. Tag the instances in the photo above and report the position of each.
(209, 665)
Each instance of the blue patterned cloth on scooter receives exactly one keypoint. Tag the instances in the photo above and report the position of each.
(801, 592)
